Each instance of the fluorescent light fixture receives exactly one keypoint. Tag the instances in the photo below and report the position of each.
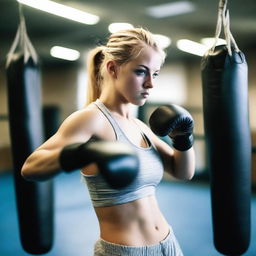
(209, 41)
(62, 10)
(192, 47)
(162, 40)
(114, 27)
(170, 9)
(64, 53)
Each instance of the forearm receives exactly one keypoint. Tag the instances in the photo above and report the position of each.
(183, 164)
(117, 161)
(41, 165)
(178, 124)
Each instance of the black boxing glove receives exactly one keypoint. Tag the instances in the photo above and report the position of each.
(176, 122)
(116, 161)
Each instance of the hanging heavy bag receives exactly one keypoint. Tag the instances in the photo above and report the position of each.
(34, 200)
(228, 141)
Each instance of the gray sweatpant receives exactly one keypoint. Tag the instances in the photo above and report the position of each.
(168, 247)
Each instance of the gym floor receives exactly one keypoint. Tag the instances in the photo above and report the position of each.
(186, 206)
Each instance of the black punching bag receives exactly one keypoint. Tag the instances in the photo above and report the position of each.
(34, 199)
(228, 141)
(51, 120)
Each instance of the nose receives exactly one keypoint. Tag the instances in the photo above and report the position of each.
(149, 82)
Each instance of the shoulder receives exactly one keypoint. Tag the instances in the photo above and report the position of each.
(84, 121)
(79, 127)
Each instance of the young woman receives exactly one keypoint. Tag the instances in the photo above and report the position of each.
(121, 74)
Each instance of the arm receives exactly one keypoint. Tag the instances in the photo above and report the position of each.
(180, 164)
(178, 124)
(44, 163)
(184, 164)
(179, 161)
(74, 147)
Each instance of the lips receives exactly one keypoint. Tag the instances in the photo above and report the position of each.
(145, 94)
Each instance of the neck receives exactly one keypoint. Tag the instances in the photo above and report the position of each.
(115, 102)
(116, 105)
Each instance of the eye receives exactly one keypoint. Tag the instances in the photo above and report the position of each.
(155, 75)
(141, 72)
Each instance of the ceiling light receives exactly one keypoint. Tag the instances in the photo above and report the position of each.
(170, 9)
(62, 10)
(210, 41)
(192, 47)
(64, 53)
(114, 27)
(162, 40)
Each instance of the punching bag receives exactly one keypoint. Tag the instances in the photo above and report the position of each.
(51, 120)
(228, 142)
(228, 139)
(34, 199)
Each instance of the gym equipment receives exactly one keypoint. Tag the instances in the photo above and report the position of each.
(228, 141)
(117, 162)
(176, 122)
(51, 120)
(34, 200)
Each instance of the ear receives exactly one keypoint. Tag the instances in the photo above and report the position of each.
(112, 68)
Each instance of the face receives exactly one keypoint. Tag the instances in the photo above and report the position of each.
(135, 79)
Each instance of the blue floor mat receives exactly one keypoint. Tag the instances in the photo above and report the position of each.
(186, 206)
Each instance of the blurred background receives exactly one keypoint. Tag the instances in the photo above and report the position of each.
(186, 29)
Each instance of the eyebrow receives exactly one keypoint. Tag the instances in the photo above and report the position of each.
(158, 70)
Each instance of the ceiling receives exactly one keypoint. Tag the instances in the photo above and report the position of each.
(46, 30)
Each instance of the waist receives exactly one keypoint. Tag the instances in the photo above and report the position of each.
(136, 223)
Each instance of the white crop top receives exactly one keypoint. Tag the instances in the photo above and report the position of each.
(149, 175)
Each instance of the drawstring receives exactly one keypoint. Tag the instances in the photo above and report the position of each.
(23, 42)
(224, 20)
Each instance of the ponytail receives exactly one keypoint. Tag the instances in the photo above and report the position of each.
(94, 62)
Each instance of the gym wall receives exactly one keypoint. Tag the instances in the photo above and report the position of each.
(60, 85)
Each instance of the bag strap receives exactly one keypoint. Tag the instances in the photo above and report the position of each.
(22, 42)
(224, 20)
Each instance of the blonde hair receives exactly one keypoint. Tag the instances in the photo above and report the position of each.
(122, 47)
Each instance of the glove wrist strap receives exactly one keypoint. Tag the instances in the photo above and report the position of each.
(183, 142)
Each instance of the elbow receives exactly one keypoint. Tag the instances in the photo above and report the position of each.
(28, 173)
(32, 173)
(25, 173)
(189, 174)
(186, 175)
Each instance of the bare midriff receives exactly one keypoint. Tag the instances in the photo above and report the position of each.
(136, 223)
